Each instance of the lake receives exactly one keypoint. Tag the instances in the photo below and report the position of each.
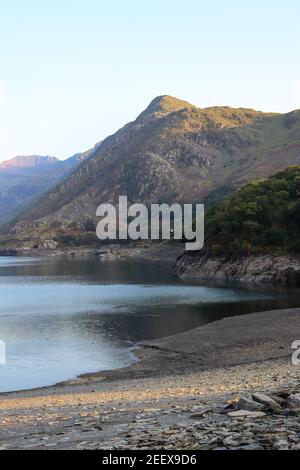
(60, 318)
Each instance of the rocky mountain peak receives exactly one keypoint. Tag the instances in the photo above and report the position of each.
(163, 105)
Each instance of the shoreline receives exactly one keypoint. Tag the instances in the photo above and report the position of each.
(163, 254)
(238, 341)
(176, 396)
(177, 354)
(158, 404)
(260, 269)
(265, 270)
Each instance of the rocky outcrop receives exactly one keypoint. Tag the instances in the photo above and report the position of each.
(273, 269)
(48, 245)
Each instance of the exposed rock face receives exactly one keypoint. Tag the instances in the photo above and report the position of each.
(48, 245)
(260, 269)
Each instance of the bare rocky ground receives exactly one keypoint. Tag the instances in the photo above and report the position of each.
(184, 393)
(190, 411)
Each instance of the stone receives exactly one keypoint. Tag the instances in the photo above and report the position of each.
(250, 447)
(295, 447)
(200, 413)
(250, 405)
(246, 414)
(284, 394)
(279, 400)
(281, 444)
(229, 441)
(291, 412)
(266, 400)
(293, 401)
(48, 244)
(266, 441)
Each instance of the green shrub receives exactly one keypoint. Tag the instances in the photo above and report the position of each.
(260, 217)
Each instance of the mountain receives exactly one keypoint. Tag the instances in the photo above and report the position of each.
(30, 162)
(173, 151)
(24, 179)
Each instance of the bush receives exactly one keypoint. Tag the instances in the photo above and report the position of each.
(259, 217)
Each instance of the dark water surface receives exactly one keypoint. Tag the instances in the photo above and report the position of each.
(60, 318)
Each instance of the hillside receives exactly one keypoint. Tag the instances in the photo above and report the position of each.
(173, 151)
(252, 235)
(262, 217)
(24, 179)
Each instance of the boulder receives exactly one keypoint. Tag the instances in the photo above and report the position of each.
(48, 245)
(267, 401)
(281, 444)
(293, 401)
(250, 405)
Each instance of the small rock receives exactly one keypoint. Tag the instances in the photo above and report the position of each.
(220, 410)
(250, 405)
(266, 441)
(281, 444)
(250, 447)
(284, 394)
(295, 447)
(265, 400)
(200, 413)
(229, 441)
(246, 414)
(279, 400)
(291, 412)
(293, 401)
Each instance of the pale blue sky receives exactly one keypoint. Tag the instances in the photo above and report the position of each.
(72, 72)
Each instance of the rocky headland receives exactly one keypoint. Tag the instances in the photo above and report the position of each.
(259, 269)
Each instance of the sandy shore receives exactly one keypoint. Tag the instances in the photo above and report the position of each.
(159, 397)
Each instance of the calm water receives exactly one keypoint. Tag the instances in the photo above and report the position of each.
(61, 318)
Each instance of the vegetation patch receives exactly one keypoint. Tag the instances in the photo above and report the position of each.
(263, 216)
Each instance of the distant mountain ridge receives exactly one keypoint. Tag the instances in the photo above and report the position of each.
(29, 161)
(172, 152)
(23, 179)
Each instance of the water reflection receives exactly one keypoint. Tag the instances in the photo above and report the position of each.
(60, 318)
